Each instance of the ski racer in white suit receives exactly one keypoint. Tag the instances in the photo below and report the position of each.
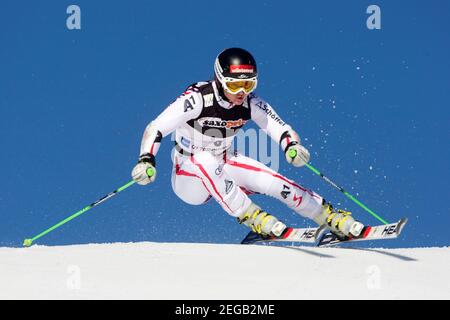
(205, 119)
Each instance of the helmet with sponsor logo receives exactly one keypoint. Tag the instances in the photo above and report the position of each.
(235, 70)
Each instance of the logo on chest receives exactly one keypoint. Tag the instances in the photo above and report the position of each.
(220, 123)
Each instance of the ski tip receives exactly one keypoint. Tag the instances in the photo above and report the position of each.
(401, 224)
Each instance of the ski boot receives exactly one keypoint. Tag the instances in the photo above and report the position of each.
(340, 222)
(262, 223)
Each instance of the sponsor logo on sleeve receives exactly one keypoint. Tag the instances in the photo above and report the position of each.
(264, 107)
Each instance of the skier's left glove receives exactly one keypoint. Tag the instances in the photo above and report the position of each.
(144, 172)
(296, 154)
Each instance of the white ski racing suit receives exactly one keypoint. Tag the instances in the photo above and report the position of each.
(203, 164)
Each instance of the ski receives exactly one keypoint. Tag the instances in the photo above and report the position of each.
(302, 235)
(322, 237)
(381, 232)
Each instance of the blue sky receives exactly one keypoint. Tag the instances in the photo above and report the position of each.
(371, 105)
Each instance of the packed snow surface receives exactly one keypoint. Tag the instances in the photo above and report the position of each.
(212, 271)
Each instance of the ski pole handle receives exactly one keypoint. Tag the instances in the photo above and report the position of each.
(292, 153)
(150, 172)
(29, 242)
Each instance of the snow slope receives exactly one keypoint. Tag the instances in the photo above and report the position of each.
(210, 271)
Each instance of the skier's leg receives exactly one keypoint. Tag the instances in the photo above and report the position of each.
(257, 177)
(209, 170)
(186, 184)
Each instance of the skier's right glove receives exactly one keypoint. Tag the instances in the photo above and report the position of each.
(144, 172)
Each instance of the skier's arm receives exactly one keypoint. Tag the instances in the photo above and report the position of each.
(187, 106)
(269, 121)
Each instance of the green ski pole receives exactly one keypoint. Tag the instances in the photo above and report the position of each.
(29, 242)
(293, 154)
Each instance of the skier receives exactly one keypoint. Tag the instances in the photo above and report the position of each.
(205, 119)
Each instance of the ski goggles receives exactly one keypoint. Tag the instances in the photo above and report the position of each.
(241, 85)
